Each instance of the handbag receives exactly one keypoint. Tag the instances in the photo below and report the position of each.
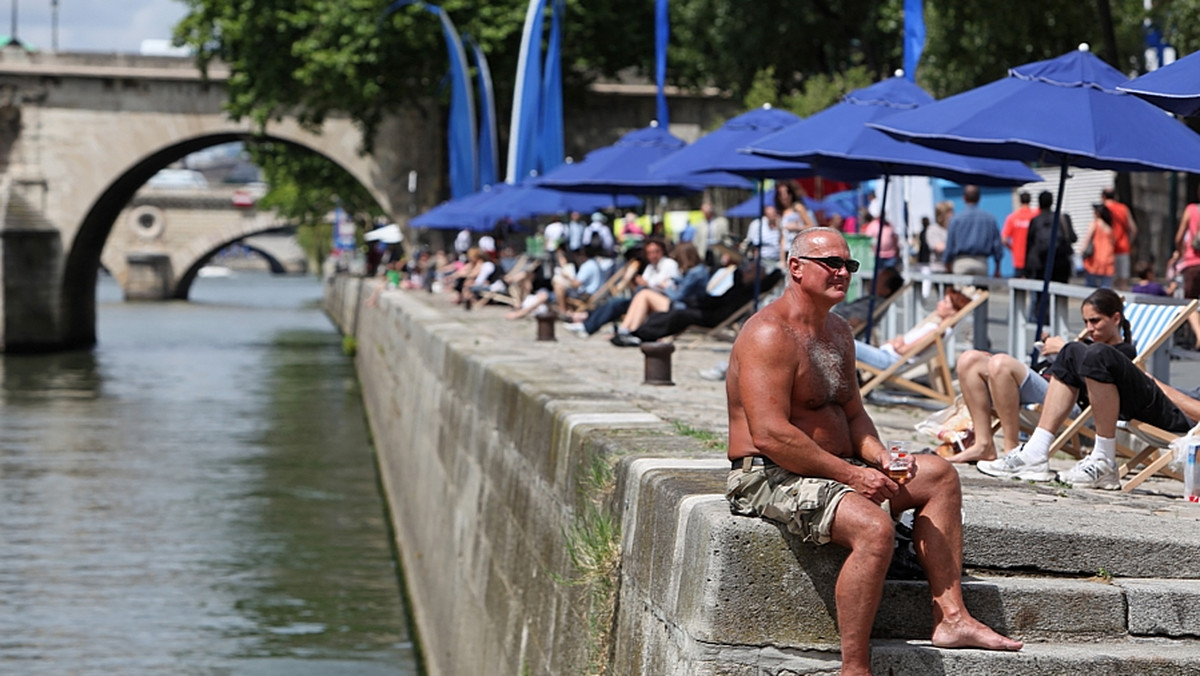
(1091, 248)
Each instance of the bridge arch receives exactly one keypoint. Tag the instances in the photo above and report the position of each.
(170, 269)
(86, 131)
(203, 251)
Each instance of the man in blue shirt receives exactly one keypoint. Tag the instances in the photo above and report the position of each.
(972, 237)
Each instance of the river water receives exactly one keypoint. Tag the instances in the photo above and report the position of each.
(196, 495)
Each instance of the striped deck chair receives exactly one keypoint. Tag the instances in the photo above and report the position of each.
(1153, 458)
(929, 350)
(1153, 325)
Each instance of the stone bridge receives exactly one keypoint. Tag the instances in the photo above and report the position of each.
(81, 133)
(164, 236)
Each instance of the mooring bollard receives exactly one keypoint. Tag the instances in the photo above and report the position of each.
(658, 363)
(545, 325)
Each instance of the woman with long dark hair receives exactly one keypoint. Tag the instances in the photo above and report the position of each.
(1106, 376)
(1003, 383)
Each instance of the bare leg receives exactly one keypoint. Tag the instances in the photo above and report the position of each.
(866, 530)
(936, 494)
(973, 379)
(1194, 322)
(1060, 399)
(560, 296)
(1007, 374)
(644, 303)
(638, 309)
(1106, 406)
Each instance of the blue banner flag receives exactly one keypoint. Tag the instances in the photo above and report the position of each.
(914, 37)
(550, 132)
(488, 153)
(460, 134)
(343, 231)
(662, 29)
(523, 129)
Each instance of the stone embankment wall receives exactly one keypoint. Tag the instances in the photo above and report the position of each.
(496, 470)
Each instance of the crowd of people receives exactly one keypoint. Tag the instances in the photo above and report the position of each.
(803, 449)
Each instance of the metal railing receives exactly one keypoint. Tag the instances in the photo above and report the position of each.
(1014, 298)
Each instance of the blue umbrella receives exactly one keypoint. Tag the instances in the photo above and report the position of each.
(461, 213)
(838, 139)
(841, 204)
(526, 200)
(1175, 87)
(751, 208)
(623, 167)
(717, 151)
(1066, 111)
(845, 203)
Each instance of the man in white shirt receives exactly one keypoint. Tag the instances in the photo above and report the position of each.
(660, 271)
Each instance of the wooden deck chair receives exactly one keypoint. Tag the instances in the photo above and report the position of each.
(1153, 324)
(1153, 458)
(881, 309)
(511, 295)
(617, 283)
(929, 350)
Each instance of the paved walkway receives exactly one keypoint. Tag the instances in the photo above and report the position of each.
(692, 401)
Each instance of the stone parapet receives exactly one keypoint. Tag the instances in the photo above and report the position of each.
(499, 455)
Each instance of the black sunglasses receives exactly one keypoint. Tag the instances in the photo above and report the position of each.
(834, 262)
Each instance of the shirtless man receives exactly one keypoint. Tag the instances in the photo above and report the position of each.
(798, 432)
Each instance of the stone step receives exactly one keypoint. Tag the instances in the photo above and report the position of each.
(1051, 529)
(759, 585)
(1107, 658)
(1046, 608)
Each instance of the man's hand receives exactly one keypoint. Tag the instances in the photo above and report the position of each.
(873, 484)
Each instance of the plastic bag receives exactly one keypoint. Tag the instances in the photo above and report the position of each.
(1184, 459)
(950, 427)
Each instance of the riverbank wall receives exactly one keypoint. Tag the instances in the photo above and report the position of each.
(555, 515)
(499, 475)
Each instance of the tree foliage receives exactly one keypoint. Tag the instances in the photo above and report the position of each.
(312, 58)
(305, 187)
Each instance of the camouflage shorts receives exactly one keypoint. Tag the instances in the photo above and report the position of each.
(805, 505)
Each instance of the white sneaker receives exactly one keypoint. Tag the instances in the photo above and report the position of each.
(1092, 472)
(1016, 466)
(715, 373)
(578, 329)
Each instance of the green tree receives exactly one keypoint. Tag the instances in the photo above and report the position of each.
(305, 188)
(972, 42)
(314, 58)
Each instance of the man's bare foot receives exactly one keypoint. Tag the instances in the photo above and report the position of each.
(971, 633)
(975, 454)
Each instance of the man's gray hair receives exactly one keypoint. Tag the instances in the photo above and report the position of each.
(802, 244)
